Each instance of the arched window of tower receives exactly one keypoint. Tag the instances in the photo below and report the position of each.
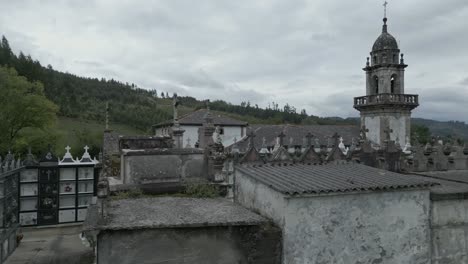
(392, 84)
(375, 59)
(394, 58)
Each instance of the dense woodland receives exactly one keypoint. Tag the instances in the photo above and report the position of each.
(85, 99)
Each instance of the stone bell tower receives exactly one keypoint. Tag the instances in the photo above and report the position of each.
(386, 109)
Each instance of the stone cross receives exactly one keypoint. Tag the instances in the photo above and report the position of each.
(68, 149)
(281, 136)
(363, 132)
(387, 133)
(385, 8)
(86, 148)
(175, 104)
(309, 137)
(48, 175)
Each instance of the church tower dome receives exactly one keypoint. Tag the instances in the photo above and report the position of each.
(386, 109)
(385, 41)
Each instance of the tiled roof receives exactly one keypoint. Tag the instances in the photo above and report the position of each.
(300, 179)
(298, 132)
(196, 118)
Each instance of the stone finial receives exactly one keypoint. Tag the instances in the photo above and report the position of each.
(264, 149)
(402, 60)
(281, 136)
(317, 142)
(86, 156)
(367, 63)
(341, 145)
(67, 158)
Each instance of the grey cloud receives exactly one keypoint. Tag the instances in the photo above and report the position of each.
(464, 82)
(309, 54)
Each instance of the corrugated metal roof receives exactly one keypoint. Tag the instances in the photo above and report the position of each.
(297, 179)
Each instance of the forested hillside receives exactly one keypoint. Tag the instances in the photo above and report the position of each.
(82, 101)
(85, 98)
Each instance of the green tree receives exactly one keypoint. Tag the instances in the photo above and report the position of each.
(22, 105)
(420, 133)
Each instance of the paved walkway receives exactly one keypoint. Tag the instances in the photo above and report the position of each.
(51, 245)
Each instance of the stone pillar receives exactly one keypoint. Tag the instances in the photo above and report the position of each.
(177, 136)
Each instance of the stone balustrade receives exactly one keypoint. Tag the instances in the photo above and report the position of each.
(410, 100)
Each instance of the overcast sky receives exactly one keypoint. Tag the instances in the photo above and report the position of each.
(306, 53)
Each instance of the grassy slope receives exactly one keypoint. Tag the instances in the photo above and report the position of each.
(77, 133)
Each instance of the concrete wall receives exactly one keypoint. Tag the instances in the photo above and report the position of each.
(210, 245)
(378, 227)
(450, 231)
(145, 167)
(259, 198)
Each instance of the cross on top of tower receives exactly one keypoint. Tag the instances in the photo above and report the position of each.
(385, 8)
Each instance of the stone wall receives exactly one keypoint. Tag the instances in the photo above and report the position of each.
(377, 227)
(162, 166)
(209, 245)
(450, 231)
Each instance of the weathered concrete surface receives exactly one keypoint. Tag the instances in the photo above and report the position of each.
(169, 212)
(450, 231)
(207, 245)
(379, 227)
(54, 245)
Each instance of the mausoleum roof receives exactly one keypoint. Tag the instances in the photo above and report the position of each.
(173, 212)
(340, 177)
